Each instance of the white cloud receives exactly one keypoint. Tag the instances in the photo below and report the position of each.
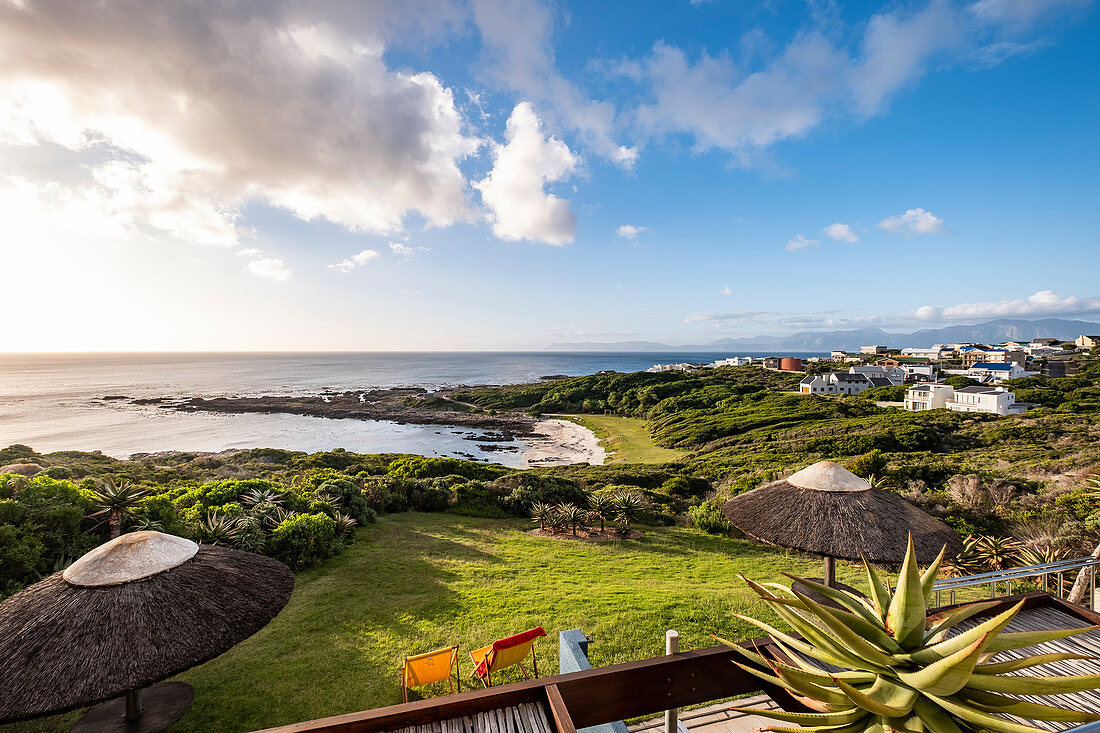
(629, 231)
(800, 242)
(269, 268)
(290, 105)
(1042, 303)
(520, 55)
(725, 291)
(841, 233)
(743, 103)
(405, 252)
(356, 260)
(913, 221)
(514, 189)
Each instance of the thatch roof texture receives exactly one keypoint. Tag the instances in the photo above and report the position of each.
(827, 510)
(66, 645)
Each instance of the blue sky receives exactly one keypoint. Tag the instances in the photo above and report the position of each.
(503, 174)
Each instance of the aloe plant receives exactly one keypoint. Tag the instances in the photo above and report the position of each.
(901, 669)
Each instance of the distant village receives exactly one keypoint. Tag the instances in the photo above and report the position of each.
(985, 367)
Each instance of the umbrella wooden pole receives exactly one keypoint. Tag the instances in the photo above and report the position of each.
(830, 572)
(134, 706)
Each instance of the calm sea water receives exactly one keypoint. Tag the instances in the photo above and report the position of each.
(52, 402)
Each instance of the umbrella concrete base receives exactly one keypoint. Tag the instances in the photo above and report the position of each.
(160, 706)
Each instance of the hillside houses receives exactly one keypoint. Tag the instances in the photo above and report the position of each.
(976, 398)
(840, 383)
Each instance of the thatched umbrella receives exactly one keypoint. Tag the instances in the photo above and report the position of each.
(138, 609)
(827, 510)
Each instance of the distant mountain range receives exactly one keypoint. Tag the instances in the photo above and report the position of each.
(1005, 329)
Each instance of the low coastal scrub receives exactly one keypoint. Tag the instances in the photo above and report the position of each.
(735, 428)
(300, 508)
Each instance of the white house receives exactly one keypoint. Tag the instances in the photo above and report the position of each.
(733, 361)
(993, 372)
(990, 400)
(682, 367)
(918, 372)
(1086, 342)
(935, 353)
(839, 383)
(875, 349)
(894, 374)
(928, 397)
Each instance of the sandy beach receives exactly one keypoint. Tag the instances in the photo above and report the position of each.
(560, 443)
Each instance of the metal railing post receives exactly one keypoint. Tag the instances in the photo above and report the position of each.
(672, 646)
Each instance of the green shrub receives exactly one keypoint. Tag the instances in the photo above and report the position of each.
(305, 540)
(475, 499)
(708, 517)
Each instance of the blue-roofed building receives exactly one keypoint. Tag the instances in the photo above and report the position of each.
(995, 372)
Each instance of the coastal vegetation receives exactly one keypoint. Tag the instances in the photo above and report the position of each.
(716, 433)
(414, 582)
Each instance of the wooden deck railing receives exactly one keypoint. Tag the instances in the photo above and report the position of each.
(604, 694)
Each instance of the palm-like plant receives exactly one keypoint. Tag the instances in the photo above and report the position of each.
(218, 529)
(116, 499)
(344, 524)
(572, 515)
(997, 553)
(258, 497)
(901, 671)
(628, 505)
(542, 513)
(602, 506)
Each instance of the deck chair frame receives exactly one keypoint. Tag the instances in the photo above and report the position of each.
(454, 676)
(488, 658)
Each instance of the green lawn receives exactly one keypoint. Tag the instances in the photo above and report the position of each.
(626, 439)
(413, 582)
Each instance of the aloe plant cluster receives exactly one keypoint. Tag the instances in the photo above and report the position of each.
(903, 669)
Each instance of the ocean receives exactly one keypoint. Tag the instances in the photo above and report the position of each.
(54, 401)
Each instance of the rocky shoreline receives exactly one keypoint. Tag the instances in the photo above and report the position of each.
(399, 404)
(549, 442)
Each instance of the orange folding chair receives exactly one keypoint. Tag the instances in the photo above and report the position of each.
(433, 666)
(504, 653)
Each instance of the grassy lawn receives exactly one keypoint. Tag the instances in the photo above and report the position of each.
(626, 439)
(413, 582)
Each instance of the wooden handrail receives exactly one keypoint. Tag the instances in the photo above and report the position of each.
(605, 694)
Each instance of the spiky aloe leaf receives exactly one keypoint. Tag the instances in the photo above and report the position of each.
(979, 718)
(858, 623)
(853, 658)
(880, 591)
(991, 703)
(1020, 639)
(1015, 665)
(935, 718)
(905, 617)
(833, 700)
(806, 683)
(846, 635)
(948, 675)
(1028, 685)
(855, 604)
(885, 697)
(928, 577)
(943, 622)
(797, 644)
(944, 649)
(857, 727)
(843, 717)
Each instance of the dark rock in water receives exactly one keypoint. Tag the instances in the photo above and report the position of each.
(114, 397)
(552, 377)
(148, 401)
(499, 448)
